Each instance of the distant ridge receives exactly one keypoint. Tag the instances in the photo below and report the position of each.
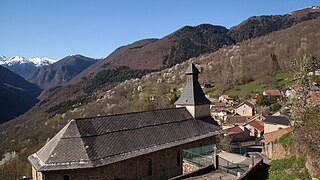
(257, 26)
(23, 66)
(60, 72)
(16, 95)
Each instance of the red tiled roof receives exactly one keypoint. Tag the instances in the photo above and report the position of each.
(272, 92)
(268, 137)
(257, 125)
(226, 97)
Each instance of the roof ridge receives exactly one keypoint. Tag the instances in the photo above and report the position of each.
(54, 141)
(137, 112)
(81, 139)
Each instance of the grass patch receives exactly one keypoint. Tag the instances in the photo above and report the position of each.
(284, 79)
(291, 168)
(211, 91)
(286, 141)
(246, 89)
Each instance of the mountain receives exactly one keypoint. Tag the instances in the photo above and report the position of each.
(261, 25)
(192, 41)
(2, 57)
(60, 72)
(154, 54)
(23, 66)
(16, 95)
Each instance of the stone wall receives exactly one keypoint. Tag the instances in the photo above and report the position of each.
(313, 166)
(189, 168)
(276, 151)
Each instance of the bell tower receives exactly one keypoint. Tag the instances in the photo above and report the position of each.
(192, 96)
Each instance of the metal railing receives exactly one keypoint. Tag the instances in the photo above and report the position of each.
(197, 159)
(231, 168)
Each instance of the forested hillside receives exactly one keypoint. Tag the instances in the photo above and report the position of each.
(98, 91)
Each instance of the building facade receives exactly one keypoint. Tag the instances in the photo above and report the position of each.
(275, 123)
(245, 109)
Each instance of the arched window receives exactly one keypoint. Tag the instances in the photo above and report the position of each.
(149, 167)
(178, 158)
(66, 177)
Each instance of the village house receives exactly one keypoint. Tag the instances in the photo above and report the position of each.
(272, 92)
(238, 134)
(218, 111)
(256, 128)
(274, 123)
(139, 145)
(226, 100)
(245, 109)
(232, 121)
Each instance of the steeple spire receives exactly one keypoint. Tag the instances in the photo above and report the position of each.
(192, 96)
(192, 93)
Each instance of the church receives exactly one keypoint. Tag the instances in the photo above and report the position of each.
(138, 145)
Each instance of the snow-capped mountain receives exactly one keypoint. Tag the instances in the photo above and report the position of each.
(22, 65)
(10, 61)
(2, 57)
(39, 62)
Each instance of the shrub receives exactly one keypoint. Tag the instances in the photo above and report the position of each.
(286, 141)
(291, 168)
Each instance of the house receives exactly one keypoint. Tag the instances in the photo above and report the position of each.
(254, 98)
(139, 145)
(226, 100)
(274, 123)
(218, 112)
(272, 92)
(238, 134)
(256, 128)
(232, 121)
(270, 148)
(245, 109)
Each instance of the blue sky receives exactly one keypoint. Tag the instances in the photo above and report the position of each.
(94, 28)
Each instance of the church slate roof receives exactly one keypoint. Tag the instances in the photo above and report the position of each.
(98, 141)
(192, 93)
